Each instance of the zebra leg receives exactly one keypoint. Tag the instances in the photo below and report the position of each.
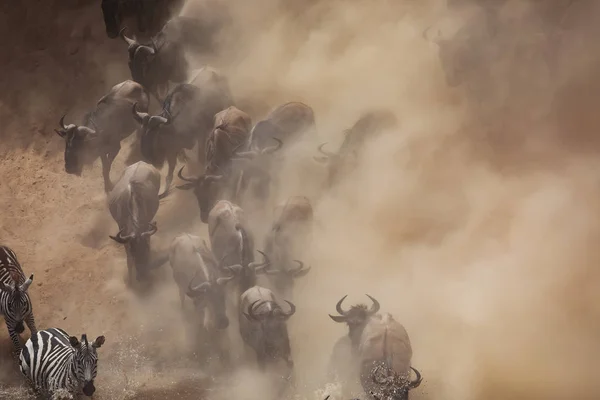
(30, 321)
(14, 337)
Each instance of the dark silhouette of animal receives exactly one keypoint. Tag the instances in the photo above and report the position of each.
(230, 133)
(346, 348)
(385, 354)
(103, 129)
(287, 239)
(368, 127)
(15, 303)
(133, 203)
(186, 119)
(53, 360)
(263, 327)
(149, 14)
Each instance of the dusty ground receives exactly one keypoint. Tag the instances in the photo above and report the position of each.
(482, 241)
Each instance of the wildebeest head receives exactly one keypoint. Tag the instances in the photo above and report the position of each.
(211, 295)
(79, 146)
(141, 56)
(86, 361)
(152, 147)
(138, 245)
(206, 189)
(284, 277)
(386, 384)
(18, 298)
(356, 317)
(112, 17)
(246, 274)
(274, 334)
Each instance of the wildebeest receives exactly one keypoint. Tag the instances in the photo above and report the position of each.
(186, 119)
(133, 203)
(163, 60)
(196, 273)
(149, 14)
(230, 134)
(385, 354)
(263, 327)
(284, 124)
(346, 347)
(288, 238)
(368, 126)
(103, 129)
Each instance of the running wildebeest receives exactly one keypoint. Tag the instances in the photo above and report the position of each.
(385, 354)
(196, 273)
(288, 238)
(133, 203)
(103, 129)
(346, 348)
(230, 133)
(368, 126)
(284, 124)
(186, 119)
(15, 303)
(263, 327)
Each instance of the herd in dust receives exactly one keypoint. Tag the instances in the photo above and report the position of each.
(225, 276)
(237, 159)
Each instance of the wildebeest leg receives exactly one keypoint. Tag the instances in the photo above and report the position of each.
(130, 269)
(172, 161)
(182, 298)
(107, 161)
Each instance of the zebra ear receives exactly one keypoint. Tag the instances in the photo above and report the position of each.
(74, 341)
(98, 342)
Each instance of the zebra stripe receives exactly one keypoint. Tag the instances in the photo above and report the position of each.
(53, 360)
(15, 303)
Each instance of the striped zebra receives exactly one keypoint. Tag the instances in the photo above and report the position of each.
(15, 303)
(52, 360)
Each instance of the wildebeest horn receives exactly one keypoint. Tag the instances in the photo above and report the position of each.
(62, 122)
(258, 265)
(272, 149)
(415, 383)
(250, 312)
(300, 271)
(223, 280)
(139, 117)
(199, 289)
(325, 152)
(186, 179)
(120, 238)
(292, 310)
(338, 306)
(158, 118)
(375, 307)
(251, 154)
(127, 40)
(151, 231)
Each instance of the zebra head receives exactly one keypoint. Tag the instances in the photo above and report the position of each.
(85, 362)
(19, 304)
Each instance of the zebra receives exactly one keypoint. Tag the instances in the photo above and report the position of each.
(15, 303)
(52, 360)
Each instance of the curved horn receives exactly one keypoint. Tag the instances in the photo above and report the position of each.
(258, 265)
(250, 312)
(213, 178)
(338, 306)
(300, 271)
(151, 231)
(272, 149)
(60, 133)
(138, 116)
(127, 40)
(186, 179)
(292, 309)
(415, 383)
(159, 119)
(62, 122)
(195, 291)
(120, 238)
(375, 307)
(325, 152)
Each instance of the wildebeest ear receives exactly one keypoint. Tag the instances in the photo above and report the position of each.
(98, 342)
(338, 318)
(186, 186)
(74, 341)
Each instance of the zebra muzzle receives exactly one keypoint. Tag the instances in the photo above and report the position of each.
(89, 388)
(20, 328)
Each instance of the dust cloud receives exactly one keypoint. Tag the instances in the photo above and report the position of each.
(474, 222)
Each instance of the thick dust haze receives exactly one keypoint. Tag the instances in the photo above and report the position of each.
(475, 222)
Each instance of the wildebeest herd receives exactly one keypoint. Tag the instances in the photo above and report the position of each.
(238, 160)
